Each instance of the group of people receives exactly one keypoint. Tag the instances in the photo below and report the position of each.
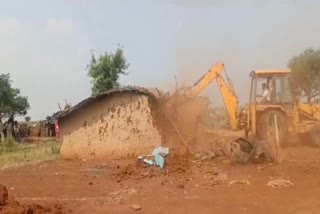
(9, 129)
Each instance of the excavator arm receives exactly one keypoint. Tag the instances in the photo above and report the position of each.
(227, 92)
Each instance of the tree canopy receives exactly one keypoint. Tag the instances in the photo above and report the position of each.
(106, 70)
(11, 102)
(306, 72)
(27, 118)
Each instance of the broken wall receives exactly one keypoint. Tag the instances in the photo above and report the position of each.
(181, 121)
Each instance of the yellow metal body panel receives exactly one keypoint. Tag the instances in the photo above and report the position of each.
(311, 111)
(271, 71)
(205, 80)
(230, 100)
(301, 117)
(227, 92)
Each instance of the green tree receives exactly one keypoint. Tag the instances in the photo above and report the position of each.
(11, 102)
(306, 72)
(27, 119)
(106, 70)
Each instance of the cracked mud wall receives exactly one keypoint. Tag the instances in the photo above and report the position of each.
(116, 126)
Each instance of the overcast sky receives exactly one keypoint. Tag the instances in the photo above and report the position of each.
(45, 45)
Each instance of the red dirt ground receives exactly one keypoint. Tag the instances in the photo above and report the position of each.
(111, 187)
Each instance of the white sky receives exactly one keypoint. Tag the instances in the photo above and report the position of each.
(45, 45)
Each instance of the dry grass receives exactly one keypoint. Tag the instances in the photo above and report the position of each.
(14, 154)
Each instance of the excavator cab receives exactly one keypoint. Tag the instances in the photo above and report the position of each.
(271, 87)
(271, 94)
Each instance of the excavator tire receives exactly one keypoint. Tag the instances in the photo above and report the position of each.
(241, 150)
(262, 126)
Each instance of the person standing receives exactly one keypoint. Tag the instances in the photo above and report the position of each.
(57, 129)
(1, 131)
(10, 130)
(16, 129)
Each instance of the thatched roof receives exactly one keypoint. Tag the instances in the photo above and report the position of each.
(153, 93)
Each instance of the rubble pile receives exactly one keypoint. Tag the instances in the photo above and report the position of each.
(187, 120)
(180, 121)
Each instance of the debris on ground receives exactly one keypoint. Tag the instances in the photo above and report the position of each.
(180, 186)
(149, 162)
(257, 151)
(221, 177)
(160, 151)
(8, 204)
(205, 156)
(3, 195)
(146, 159)
(243, 181)
(159, 161)
(217, 179)
(135, 207)
(157, 157)
(280, 183)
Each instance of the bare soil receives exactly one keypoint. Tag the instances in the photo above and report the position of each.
(185, 186)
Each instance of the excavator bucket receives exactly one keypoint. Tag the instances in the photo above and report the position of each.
(241, 150)
(244, 150)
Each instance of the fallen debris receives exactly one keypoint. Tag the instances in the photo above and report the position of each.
(243, 181)
(149, 162)
(180, 186)
(159, 153)
(3, 195)
(221, 178)
(159, 161)
(218, 179)
(157, 157)
(135, 207)
(280, 183)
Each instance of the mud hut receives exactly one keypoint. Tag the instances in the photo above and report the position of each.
(114, 124)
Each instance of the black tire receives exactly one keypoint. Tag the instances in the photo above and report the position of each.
(263, 129)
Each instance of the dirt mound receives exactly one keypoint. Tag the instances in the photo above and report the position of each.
(3, 195)
(175, 167)
(8, 205)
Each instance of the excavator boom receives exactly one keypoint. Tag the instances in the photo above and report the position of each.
(227, 92)
(206, 79)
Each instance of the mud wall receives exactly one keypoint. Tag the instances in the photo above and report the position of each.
(116, 126)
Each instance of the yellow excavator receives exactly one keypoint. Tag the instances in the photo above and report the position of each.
(277, 100)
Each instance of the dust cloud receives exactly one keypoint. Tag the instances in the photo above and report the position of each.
(239, 35)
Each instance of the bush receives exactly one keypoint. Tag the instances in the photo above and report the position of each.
(9, 145)
(55, 148)
(12, 153)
